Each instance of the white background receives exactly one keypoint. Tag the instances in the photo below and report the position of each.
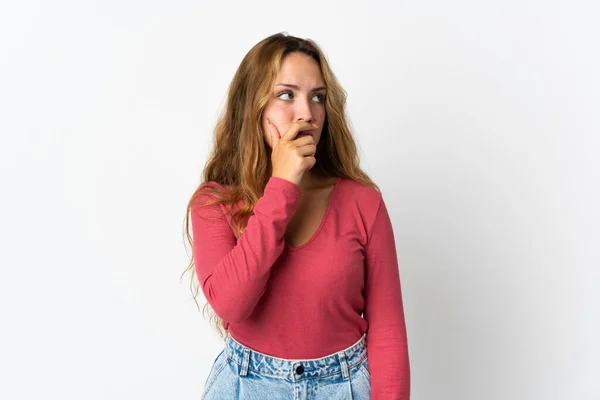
(478, 119)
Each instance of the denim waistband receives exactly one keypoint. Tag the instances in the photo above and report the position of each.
(296, 369)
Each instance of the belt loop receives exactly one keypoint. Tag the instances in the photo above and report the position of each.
(245, 362)
(344, 365)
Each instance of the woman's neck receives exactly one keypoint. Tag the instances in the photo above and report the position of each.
(311, 180)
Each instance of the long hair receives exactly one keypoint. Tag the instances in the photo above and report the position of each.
(240, 159)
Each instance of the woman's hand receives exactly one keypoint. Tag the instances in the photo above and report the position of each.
(292, 156)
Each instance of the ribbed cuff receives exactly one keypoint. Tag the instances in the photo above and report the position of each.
(288, 188)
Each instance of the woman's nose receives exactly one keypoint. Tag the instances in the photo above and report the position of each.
(304, 113)
(306, 117)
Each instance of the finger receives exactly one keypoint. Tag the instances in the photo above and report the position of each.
(271, 128)
(307, 149)
(296, 127)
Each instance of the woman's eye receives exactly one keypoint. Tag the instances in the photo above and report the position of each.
(281, 94)
(320, 96)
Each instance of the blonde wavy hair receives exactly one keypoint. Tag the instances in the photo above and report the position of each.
(240, 159)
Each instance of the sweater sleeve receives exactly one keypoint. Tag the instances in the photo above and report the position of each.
(233, 273)
(387, 347)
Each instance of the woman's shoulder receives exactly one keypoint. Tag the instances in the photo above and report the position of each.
(214, 187)
(359, 192)
(359, 203)
(212, 184)
(210, 194)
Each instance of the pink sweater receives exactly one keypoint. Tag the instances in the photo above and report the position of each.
(307, 301)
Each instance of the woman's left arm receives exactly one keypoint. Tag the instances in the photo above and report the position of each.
(387, 346)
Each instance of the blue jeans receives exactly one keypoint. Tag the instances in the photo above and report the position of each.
(239, 372)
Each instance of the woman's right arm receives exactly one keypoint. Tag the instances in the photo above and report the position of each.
(234, 274)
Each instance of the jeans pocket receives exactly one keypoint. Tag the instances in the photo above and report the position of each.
(218, 366)
(364, 368)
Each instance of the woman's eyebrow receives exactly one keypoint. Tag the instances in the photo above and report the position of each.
(297, 88)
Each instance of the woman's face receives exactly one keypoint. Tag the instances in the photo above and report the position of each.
(298, 94)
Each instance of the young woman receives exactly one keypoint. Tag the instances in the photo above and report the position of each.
(292, 242)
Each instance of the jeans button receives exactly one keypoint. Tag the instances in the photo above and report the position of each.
(299, 369)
